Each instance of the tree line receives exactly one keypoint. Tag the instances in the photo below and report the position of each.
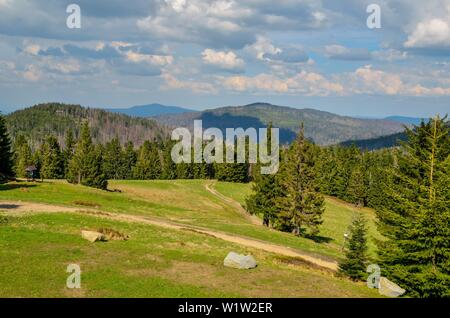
(84, 162)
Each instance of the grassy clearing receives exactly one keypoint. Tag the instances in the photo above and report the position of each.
(35, 251)
(337, 217)
(187, 201)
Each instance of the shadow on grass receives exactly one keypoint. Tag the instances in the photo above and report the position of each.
(12, 186)
(321, 239)
(8, 206)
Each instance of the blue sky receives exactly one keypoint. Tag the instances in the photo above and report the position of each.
(209, 53)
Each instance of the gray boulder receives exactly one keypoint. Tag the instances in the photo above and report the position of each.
(389, 289)
(238, 261)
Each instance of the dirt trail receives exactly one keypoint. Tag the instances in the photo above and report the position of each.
(19, 207)
(234, 204)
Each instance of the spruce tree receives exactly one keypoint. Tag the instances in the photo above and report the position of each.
(23, 159)
(52, 159)
(265, 190)
(86, 166)
(6, 156)
(129, 160)
(356, 192)
(113, 159)
(169, 168)
(415, 218)
(148, 165)
(355, 262)
(301, 206)
(69, 149)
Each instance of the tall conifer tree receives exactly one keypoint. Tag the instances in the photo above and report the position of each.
(86, 166)
(6, 156)
(301, 206)
(355, 262)
(415, 218)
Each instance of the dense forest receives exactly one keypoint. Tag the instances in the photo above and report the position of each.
(408, 186)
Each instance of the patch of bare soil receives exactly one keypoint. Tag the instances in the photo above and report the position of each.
(19, 207)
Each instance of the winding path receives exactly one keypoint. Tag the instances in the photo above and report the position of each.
(20, 208)
(234, 204)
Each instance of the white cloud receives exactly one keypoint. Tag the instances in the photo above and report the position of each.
(32, 73)
(5, 3)
(32, 49)
(390, 55)
(261, 47)
(303, 83)
(197, 87)
(157, 60)
(65, 67)
(340, 52)
(431, 33)
(223, 60)
(366, 80)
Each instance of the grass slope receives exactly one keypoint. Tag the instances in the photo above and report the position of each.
(156, 262)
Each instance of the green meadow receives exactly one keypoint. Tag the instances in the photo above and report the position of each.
(36, 247)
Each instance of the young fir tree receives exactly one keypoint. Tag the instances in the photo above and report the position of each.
(356, 192)
(113, 159)
(68, 151)
(354, 264)
(301, 206)
(169, 168)
(86, 166)
(6, 156)
(36, 159)
(232, 172)
(416, 215)
(24, 158)
(129, 160)
(52, 159)
(148, 165)
(265, 191)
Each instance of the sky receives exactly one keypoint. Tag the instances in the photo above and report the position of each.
(203, 54)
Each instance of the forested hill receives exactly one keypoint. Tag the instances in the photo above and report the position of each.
(322, 127)
(377, 143)
(39, 121)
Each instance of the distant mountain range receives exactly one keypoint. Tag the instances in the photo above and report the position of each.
(149, 110)
(322, 127)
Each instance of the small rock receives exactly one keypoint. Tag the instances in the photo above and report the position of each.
(389, 289)
(92, 236)
(238, 261)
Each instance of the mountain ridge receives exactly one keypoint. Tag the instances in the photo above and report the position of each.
(149, 110)
(322, 127)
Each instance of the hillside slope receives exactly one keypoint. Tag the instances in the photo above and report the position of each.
(377, 143)
(322, 127)
(39, 121)
(388, 141)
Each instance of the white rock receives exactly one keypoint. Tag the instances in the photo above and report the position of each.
(92, 236)
(389, 289)
(238, 261)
